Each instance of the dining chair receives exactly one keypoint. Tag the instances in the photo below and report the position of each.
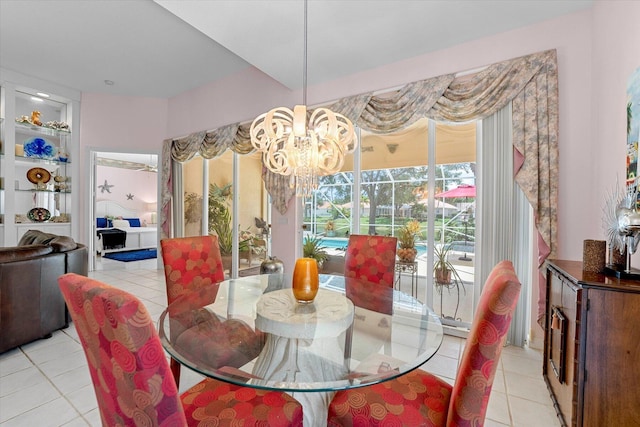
(190, 265)
(421, 398)
(372, 260)
(131, 375)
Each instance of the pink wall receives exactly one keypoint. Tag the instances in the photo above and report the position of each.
(141, 184)
(217, 104)
(113, 123)
(597, 51)
(234, 99)
(616, 36)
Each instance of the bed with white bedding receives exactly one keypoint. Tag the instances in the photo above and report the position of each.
(111, 217)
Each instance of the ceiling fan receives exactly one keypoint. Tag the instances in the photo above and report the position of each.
(123, 164)
(148, 168)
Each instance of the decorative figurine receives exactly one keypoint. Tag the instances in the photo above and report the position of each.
(627, 228)
(35, 118)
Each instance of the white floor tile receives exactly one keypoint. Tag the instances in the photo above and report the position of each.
(20, 380)
(47, 382)
(83, 399)
(442, 366)
(65, 363)
(522, 365)
(72, 380)
(41, 352)
(93, 418)
(451, 347)
(498, 409)
(56, 413)
(499, 381)
(26, 399)
(528, 388)
(491, 423)
(527, 413)
(76, 422)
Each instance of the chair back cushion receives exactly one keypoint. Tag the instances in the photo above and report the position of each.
(369, 271)
(128, 366)
(486, 338)
(371, 258)
(190, 264)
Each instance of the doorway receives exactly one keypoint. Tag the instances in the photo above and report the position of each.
(124, 197)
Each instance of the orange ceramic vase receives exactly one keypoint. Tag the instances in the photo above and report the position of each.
(305, 280)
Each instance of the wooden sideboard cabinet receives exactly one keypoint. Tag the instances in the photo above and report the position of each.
(592, 346)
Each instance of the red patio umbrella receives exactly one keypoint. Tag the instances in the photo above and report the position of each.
(463, 190)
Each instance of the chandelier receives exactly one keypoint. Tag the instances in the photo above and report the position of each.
(303, 145)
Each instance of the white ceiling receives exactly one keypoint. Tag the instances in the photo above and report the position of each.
(147, 48)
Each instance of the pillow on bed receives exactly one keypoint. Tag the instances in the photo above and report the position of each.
(101, 222)
(133, 222)
(119, 223)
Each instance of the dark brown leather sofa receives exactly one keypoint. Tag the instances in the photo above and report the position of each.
(31, 305)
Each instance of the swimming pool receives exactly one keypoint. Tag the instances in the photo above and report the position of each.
(340, 243)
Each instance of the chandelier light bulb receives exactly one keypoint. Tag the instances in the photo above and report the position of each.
(301, 148)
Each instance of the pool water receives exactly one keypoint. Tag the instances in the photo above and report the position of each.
(341, 243)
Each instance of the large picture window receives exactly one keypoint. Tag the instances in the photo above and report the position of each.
(520, 93)
(232, 193)
(393, 191)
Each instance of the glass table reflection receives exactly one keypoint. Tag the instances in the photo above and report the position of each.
(251, 332)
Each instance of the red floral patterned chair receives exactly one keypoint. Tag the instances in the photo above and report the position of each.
(372, 260)
(191, 265)
(421, 399)
(131, 376)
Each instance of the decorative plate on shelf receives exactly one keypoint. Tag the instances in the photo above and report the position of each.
(39, 148)
(39, 214)
(38, 175)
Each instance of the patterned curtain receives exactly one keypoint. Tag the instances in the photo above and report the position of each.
(530, 82)
(166, 190)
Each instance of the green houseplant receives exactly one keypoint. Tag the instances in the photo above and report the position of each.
(312, 248)
(220, 217)
(446, 276)
(219, 220)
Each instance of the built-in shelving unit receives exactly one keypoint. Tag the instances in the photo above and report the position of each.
(37, 169)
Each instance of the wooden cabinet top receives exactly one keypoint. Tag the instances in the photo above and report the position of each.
(573, 269)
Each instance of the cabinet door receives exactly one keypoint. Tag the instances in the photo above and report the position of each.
(612, 358)
(562, 343)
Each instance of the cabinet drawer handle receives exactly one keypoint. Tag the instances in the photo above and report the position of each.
(555, 322)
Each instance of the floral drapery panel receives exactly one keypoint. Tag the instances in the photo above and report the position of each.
(530, 82)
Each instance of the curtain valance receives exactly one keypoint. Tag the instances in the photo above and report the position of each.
(530, 82)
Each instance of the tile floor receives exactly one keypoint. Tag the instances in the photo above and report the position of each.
(47, 383)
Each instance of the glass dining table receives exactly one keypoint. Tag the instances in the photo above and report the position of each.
(251, 332)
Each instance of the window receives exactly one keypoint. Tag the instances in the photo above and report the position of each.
(393, 188)
(232, 204)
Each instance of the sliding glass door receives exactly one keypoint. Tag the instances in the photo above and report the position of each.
(226, 194)
(392, 182)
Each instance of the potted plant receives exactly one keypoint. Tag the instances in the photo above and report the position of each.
(407, 241)
(250, 245)
(442, 267)
(446, 275)
(329, 228)
(312, 248)
(192, 208)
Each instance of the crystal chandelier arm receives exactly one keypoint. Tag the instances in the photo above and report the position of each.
(269, 135)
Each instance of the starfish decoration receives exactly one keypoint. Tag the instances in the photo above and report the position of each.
(105, 187)
(129, 196)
